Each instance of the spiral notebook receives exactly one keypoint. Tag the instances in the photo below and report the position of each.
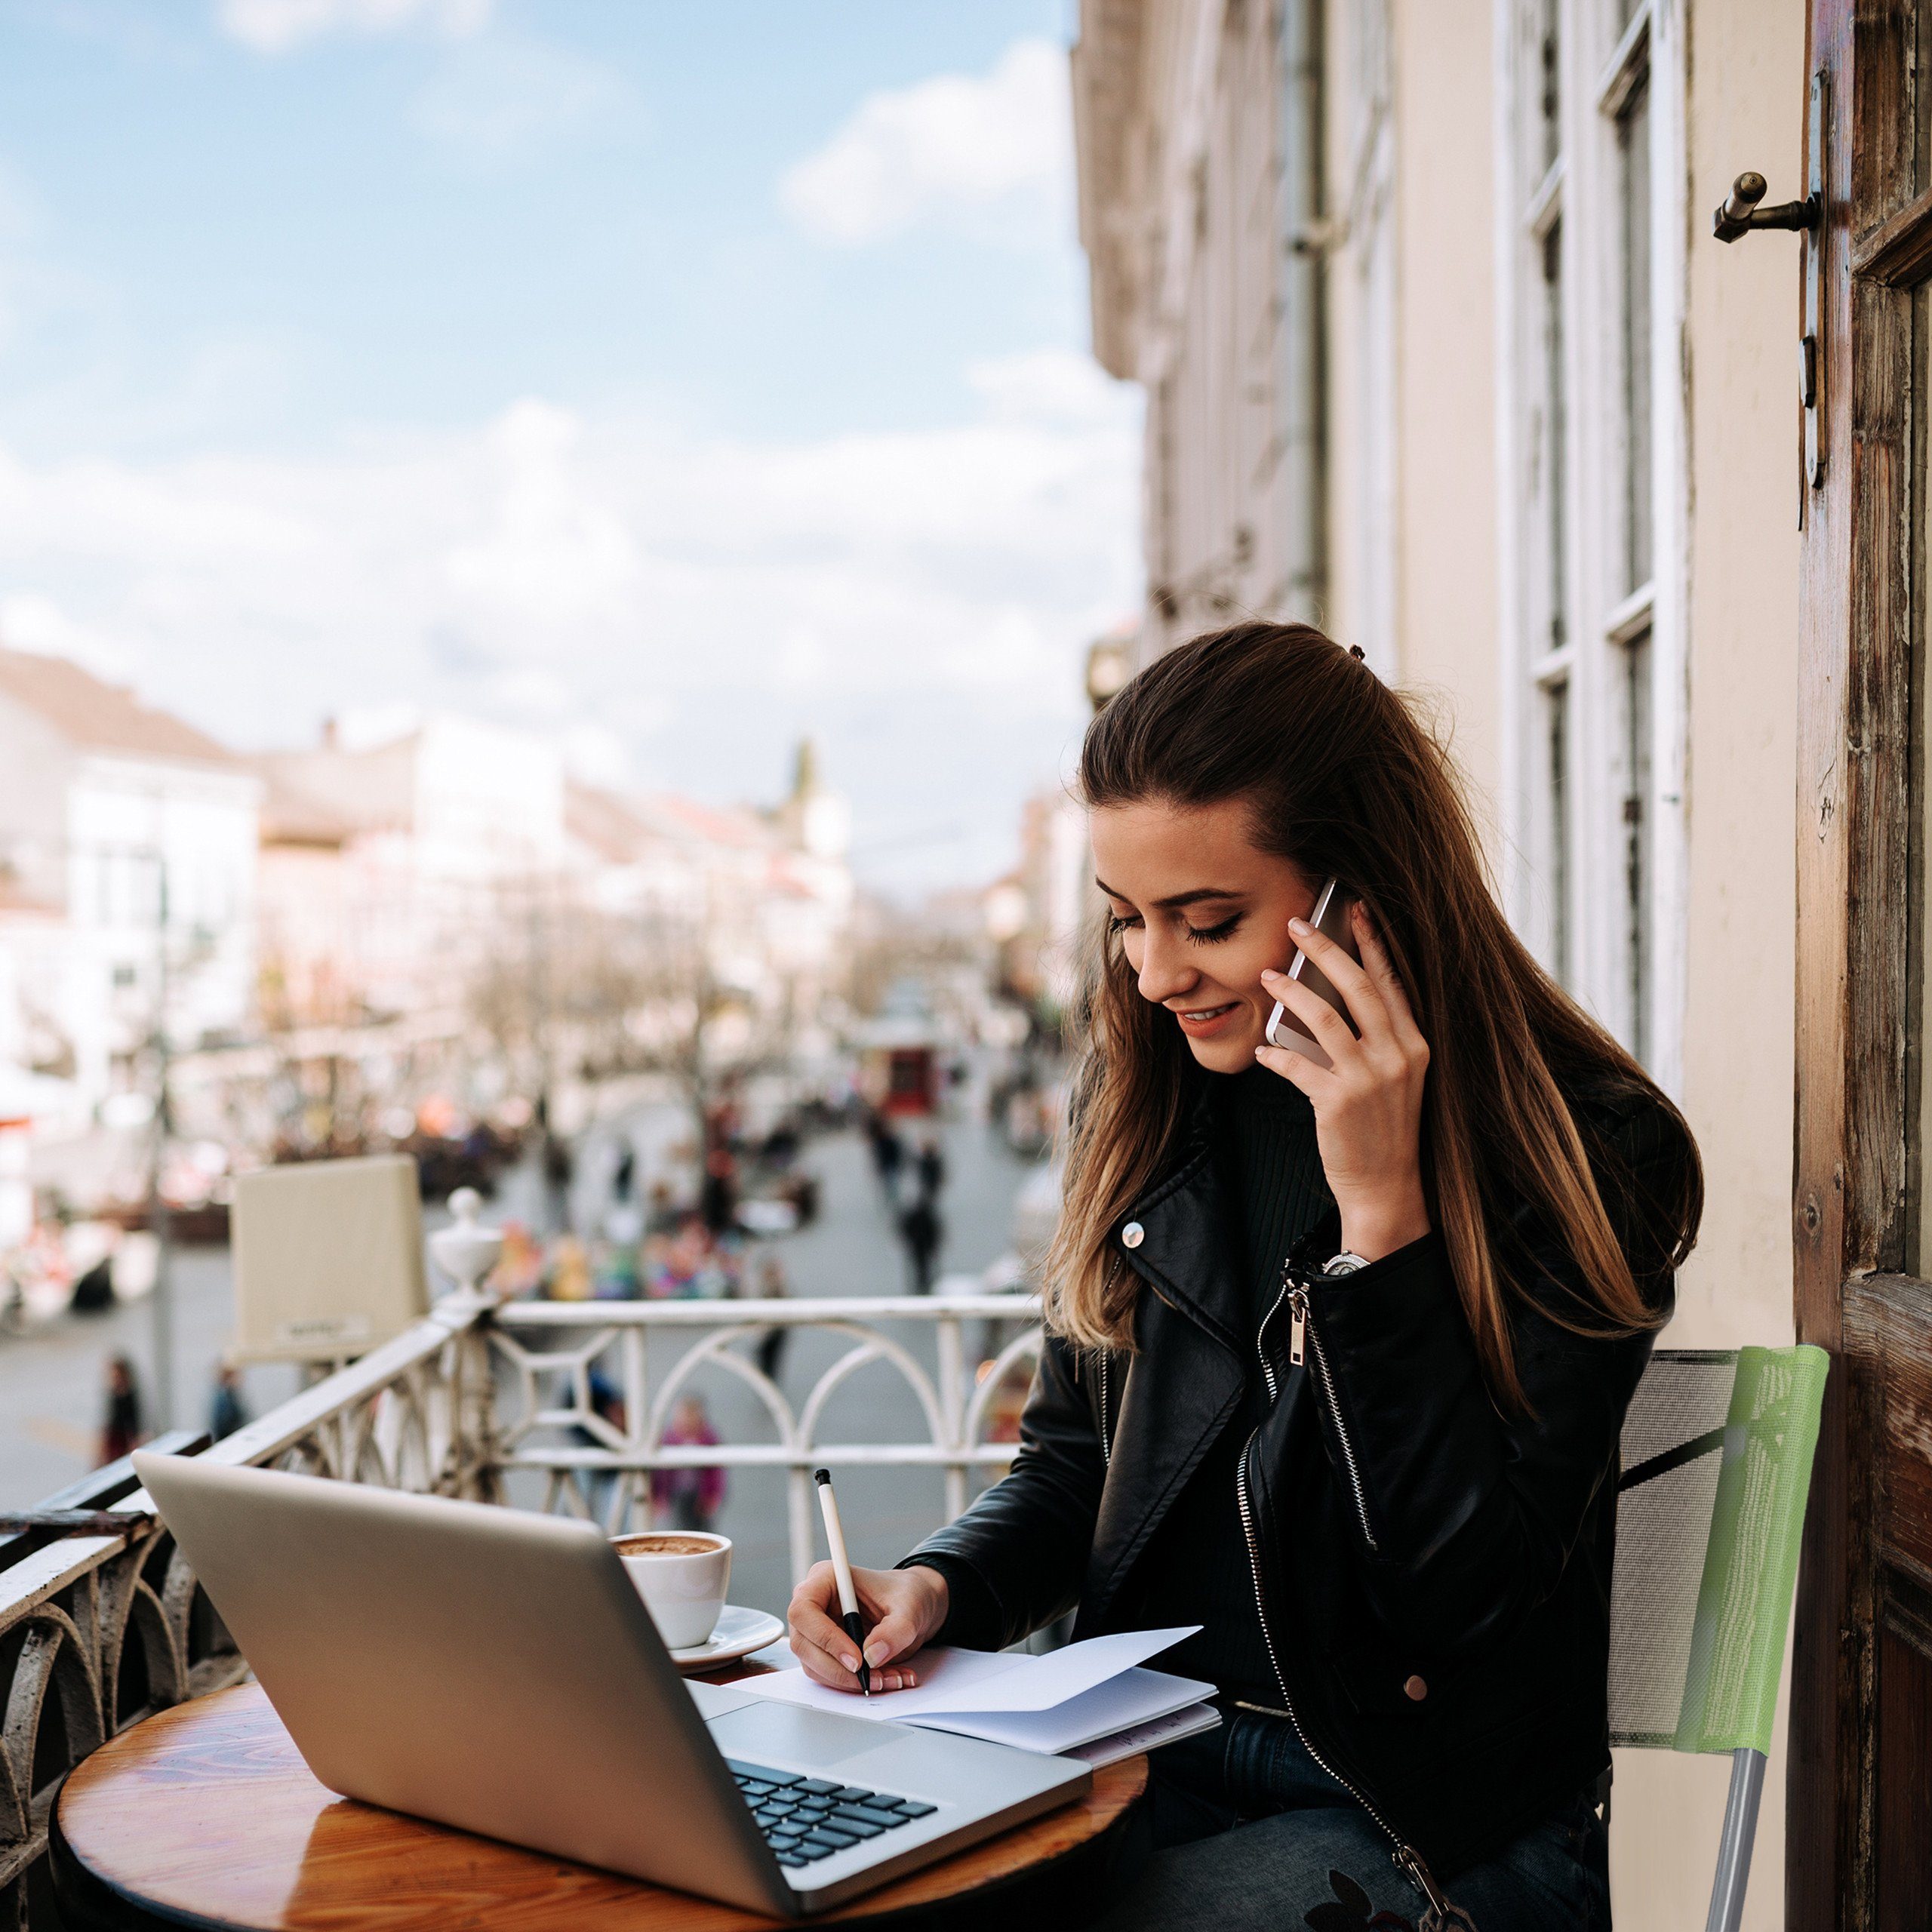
(1080, 1700)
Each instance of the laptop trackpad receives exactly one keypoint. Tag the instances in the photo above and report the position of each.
(800, 1737)
(713, 1700)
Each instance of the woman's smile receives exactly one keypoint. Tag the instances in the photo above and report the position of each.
(1200, 1023)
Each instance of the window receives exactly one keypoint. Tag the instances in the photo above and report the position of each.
(1633, 121)
(1631, 796)
(1545, 427)
(1556, 806)
(1364, 369)
(1596, 721)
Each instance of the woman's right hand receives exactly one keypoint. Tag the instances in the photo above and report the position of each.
(902, 1608)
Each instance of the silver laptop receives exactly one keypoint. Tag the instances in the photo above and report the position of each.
(497, 1670)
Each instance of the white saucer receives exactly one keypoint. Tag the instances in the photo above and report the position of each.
(740, 1631)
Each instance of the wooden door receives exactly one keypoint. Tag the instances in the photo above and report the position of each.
(1859, 1831)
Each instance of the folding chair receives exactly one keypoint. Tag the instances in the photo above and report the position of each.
(1717, 1463)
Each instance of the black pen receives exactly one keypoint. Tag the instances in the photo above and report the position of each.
(841, 1568)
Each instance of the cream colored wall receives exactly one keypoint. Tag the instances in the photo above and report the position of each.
(1446, 604)
(1442, 490)
(1744, 109)
(1747, 110)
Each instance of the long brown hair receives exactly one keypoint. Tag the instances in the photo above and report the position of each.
(1343, 780)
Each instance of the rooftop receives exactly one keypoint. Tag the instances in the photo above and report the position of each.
(95, 715)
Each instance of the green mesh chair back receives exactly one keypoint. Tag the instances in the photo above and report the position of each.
(1717, 1465)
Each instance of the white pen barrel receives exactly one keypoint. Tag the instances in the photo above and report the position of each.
(835, 1537)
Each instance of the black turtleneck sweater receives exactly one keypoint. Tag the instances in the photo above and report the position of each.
(1196, 1570)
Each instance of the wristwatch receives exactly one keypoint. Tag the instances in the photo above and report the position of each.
(1344, 1263)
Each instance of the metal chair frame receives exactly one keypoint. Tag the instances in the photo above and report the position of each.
(1738, 1834)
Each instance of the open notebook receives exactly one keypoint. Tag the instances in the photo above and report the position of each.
(1082, 1700)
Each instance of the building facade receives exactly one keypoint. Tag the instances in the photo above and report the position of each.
(455, 879)
(1441, 353)
(127, 874)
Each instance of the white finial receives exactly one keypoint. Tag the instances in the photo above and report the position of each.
(465, 1251)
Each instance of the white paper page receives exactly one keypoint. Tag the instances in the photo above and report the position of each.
(1067, 1672)
(958, 1677)
(1189, 1723)
(1134, 1698)
(963, 1682)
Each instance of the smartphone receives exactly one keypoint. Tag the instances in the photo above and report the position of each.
(1331, 918)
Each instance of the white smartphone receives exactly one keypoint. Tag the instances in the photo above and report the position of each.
(1331, 918)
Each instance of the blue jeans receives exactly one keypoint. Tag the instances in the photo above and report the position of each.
(1249, 1830)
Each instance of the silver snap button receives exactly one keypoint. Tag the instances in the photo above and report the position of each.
(1133, 1235)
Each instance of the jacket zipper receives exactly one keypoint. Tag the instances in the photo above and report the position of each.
(1302, 1337)
(1261, 1334)
(1406, 1859)
(1106, 1433)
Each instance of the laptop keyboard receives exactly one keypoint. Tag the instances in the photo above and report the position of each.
(805, 1819)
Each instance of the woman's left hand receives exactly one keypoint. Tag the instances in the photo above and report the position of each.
(1368, 1105)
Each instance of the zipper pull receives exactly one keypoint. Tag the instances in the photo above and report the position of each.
(1297, 1326)
(1441, 1916)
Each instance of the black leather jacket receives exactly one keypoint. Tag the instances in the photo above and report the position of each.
(1432, 1575)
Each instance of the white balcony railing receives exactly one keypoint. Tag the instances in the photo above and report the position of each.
(97, 1630)
(545, 1350)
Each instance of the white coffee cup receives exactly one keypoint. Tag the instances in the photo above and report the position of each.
(682, 1576)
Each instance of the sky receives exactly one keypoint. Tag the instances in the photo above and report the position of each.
(671, 380)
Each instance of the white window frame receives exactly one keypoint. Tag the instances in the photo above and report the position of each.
(1597, 58)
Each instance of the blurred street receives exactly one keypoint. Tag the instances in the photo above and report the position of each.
(52, 1381)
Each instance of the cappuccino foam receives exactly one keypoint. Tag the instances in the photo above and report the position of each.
(651, 1543)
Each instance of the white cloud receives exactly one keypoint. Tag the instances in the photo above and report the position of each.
(598, 755)
(1047, 385)
(274, 26)
(37, 623)
(994, 151)
(680, 606)
(494, 96)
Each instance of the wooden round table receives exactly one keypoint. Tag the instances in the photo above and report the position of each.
(205, 1815)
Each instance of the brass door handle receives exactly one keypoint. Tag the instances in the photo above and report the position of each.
(1740, 213)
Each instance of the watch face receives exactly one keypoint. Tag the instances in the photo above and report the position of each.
(1344, 1264)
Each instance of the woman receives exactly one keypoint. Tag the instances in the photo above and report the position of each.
(1337, 1358)
(121, 1432)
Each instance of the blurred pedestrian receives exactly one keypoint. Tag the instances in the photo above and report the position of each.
(693, 1496)
(121, 1431)
(921, 1230)
(930, 1166)
(558, 1170)
(771, 1286)
(665, 1214)
(568, 1278)
(607, 1403)
(624, 1177)
(718, 1202)
(888, 1152)
(226, 1413)
(782, 1143)
(94, 1291)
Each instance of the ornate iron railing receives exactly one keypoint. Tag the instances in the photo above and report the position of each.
(98, 1629)
(545, 1351)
